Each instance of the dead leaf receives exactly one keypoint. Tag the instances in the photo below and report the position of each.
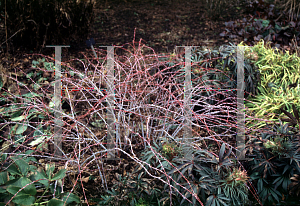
(85, 179)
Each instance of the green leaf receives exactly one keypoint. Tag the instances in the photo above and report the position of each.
(51, 103)
(49, 66)
(14, 189)
(29, 75)
(39, 131)
(59, 175)
(3, 178)
(72, 198)
(41, 175)
(22, 182)
(2, 190)
(21, 128)
(21, 84)
(37, 141)
(222, 150)
(3, 156)
(97, 123)
(57, 190)
(22, 197)
(19, 118)
(209, 200)
(55, 202)
(34, 62)
(32, 167)
(36, 87)
(22, 165)
(19, 139)
(13, 170)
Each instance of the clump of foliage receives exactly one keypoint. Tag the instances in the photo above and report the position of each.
(214, 179)
(278, 73)
(19, 180)
(276, 162)
(132, 189)
(264, 23)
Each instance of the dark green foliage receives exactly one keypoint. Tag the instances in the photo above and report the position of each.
(213, 178)
(276, 162)
(293, 120)
(19, 179)
(49, 22)
(132, 189)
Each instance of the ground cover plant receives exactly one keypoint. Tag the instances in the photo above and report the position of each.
(278, 72)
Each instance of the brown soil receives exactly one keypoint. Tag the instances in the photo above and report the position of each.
(161, 24)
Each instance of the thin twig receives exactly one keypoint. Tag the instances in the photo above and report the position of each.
(12, 36)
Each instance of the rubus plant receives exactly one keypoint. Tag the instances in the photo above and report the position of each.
(20, 179)
(49, 66)
(276, 162)
(14, 113)
(139, 123)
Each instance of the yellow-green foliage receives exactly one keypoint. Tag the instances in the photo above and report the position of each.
(278, 71)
